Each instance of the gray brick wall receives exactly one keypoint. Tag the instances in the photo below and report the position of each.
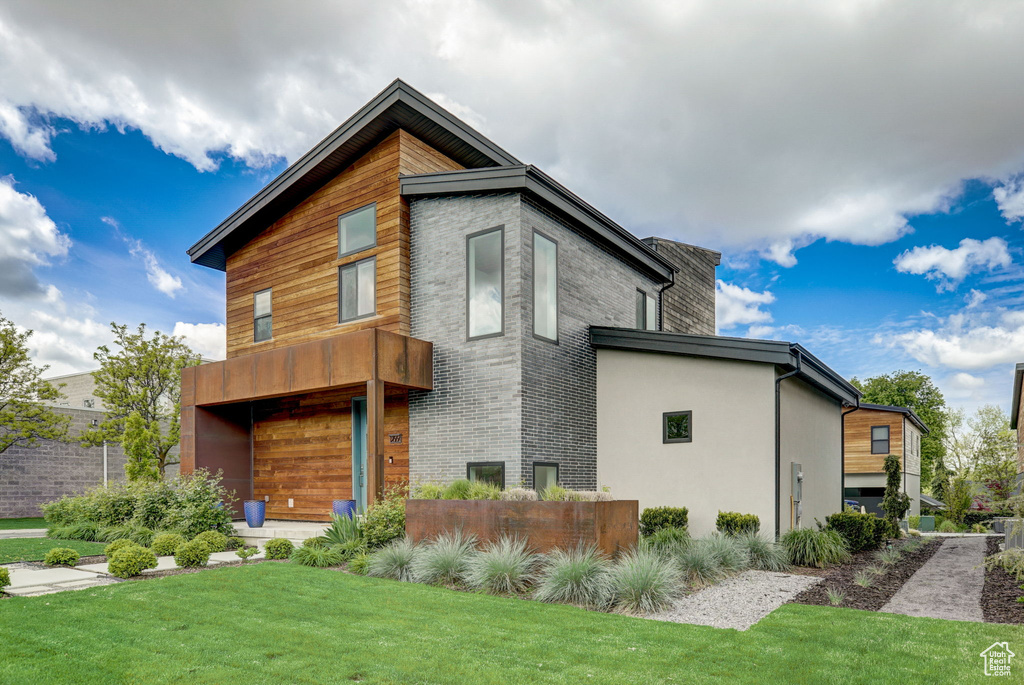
(689, 305)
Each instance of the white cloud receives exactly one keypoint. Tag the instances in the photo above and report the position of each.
(208, 339)
(950, 267)
(157, 276)
(974, 298)
(731, 134)
(736, 305)
(28, 238)
(1010, 199)
(969, 343)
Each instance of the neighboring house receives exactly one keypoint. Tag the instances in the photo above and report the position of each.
(79, 391)
(409, 302)
(872, 433)
(1017, 417)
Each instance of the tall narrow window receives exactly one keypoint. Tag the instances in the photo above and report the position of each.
(545, 287)
(262, 319)
(485, 283)
(357, 230)
(357, 285)
(646, 311)
(652, 313)
(879, 440)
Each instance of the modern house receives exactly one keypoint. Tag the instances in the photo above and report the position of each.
(408, 301)
(1017, 417)
(872, 433)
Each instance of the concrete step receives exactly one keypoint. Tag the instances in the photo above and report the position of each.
(296, 531)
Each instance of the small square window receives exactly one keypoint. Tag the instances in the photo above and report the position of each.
(545, 474)
(492, 472)
(357, 230)
(879, 440)
(677, 426)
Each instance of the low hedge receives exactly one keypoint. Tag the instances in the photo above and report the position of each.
(166, 544)
(735, 523)
(61, 556)
(192, 554)
(656, 518)
(130, 561)
(217, 542)
(116, 545)
(860, 531)
(279, 548)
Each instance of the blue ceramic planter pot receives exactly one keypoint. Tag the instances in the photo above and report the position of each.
(255, 512)
(345, 508)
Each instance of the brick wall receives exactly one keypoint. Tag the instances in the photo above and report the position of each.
(689, 305)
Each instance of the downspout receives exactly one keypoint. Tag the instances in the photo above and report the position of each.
(842, 456)
(778, 441)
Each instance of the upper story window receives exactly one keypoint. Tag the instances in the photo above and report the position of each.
(261, 316)
(485, 276)
(646, 311)
(676, 426)
(545, 287)
(879, 440)
(357, 230)
(357, 290)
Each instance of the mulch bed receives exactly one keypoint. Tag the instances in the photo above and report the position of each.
(999, 597)
(883, 587)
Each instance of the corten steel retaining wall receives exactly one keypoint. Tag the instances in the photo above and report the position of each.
(612, 526)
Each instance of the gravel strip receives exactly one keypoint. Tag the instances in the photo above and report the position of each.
(738, 602)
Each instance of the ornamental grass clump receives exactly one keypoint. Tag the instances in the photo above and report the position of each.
(481, 490)
(519, 495)
(644, 581)
(948, 526)
(445, 560)
(819, 548)
(61, 556)
(504, 567)
(166, 544)
(835, 597)
(192, 554)
(763, 553)
(728, 552)
(278, 548)
(698, 564)
(1011, 561)
(394, 561)
(317, 556)
(359, 564)
(579, 576)
(888, 556)
(864, 578)
(217, 542)
(458, 489)
(666, 540)
(130, 561)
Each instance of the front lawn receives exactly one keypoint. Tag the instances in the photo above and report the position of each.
(17, 524)
(272, 622)
(34, 549)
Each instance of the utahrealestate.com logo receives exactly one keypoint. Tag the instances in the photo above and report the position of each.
(997, 659)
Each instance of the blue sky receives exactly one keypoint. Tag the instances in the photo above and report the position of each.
(861, 209)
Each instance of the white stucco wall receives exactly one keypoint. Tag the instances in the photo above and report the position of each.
(730, 463)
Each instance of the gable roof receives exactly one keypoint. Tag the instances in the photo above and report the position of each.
(906, 411)
(1018, 380)
(784, 355)
(397, 106)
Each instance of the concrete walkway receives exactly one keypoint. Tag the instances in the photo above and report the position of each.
(949, 584)
(23, 533)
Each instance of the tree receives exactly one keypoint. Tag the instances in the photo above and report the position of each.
(142, 382)
(914, 390)
(894, 502)
(24, 420)
(984, 449)
(959, 498)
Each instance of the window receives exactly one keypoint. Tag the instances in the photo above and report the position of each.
(357, 285)
(357, 230)
(676, 426)
(545, 287)
(879, 440)
(545, 474)
(646, 311)
(261, 317)
(492, 472)
(485, 283)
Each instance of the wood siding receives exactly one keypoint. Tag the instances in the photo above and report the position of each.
(297, 256)
(857, 439)
(302, 449)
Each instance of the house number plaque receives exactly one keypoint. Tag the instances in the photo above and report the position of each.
(395, 438)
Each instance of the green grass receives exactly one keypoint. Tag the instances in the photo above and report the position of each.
(34, 549)
(270, 623)
(15, 524)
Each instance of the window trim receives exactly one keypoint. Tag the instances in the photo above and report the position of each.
(533, 249)
(469, 238)
(355, 265)
(888, 439)
(341, 254)
(471, 464)
(265, 316)
(558, 471)
(665, 440)
(642, 311)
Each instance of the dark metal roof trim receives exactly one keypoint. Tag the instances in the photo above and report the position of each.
(906, 411)
(527, 178)
(397, 106)
(782, 354)
(1018, 380)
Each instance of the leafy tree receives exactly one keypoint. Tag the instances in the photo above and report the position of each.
(24, 420)
(142, 378)
(914, 390)
(959, 497)
(894, 503)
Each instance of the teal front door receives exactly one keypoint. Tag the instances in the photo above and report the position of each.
(359, 453)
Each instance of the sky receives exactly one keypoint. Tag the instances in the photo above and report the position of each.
(859, 164)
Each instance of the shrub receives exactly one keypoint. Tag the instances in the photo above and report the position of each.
(914, 533)
(5, 579)
(735, 523)
(519, 495)
(860, 531)
(359, 564)
(116, 545)
(481, 490)
(895, 503)
(315, 541)
(504, 567)
(166, 544)
(579, 576)
(458, 489)
(666, 539)
(317, 556)
(762, 553)
(202, 504)
(130, 561)
(808, 547)
(698, 565)
(979, 528)
(445, 560)
(385, 519)
(394, 561)
(192, 554)
(644, 582)
(350, 549)
(61, 556)
(914, 522)
(235, 542)
(428, 491)
(244, 553)
(343, 530)
(1011, 561)
(659, 517)
(217, 542)
(278, 548)
(948, 527)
